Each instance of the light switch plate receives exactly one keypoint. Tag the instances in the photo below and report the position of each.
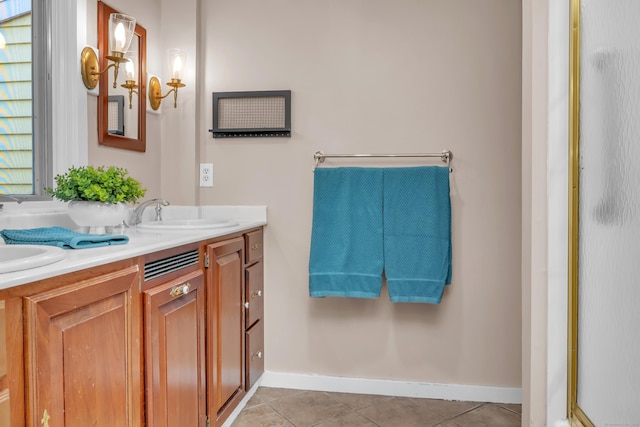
(206, 174)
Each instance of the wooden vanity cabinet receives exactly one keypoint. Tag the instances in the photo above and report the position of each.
(137, 342)
(83, 357)
(226, 327)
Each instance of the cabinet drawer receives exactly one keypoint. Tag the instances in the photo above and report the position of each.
(255, 353)
(253, 246)
(254, 291)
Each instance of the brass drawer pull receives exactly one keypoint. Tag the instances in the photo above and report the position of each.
(256, 355)
(180, 290)
(256, 294)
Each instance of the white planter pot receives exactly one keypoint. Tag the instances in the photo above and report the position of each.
(96, 217)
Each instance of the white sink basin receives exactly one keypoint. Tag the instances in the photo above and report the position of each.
(186, 224)
(23, 257)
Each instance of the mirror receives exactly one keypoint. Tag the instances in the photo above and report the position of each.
(121, 119)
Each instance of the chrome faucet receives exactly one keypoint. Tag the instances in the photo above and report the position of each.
(18, 200)
(137, 212)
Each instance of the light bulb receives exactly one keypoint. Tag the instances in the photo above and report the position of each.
(120, 37)
(177, 67)
(130, 70)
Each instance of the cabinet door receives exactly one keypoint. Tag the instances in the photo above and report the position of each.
(174, 356)
(226, 343)
(83, 357)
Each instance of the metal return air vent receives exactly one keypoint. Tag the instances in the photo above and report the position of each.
(168, 265)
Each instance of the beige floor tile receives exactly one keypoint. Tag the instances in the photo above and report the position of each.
(489, 415)
(261, 415)
(403, 412)
(254, 401)
(359, 401)
(309, 408)
(352, 419)
(512, 407)
(449, 423)
(447, 408)
(269, 394)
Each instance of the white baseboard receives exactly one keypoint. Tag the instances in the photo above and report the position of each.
(242, 404)
(471, 393)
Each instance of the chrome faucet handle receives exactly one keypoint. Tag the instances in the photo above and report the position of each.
(159, 204)
(137, 212)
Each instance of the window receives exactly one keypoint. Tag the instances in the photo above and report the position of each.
(25, 154)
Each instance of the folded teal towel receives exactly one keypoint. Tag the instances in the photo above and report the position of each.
(346, 236)
(61, 237)
(417, 233)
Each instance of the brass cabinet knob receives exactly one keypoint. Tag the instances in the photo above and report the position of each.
(180, 290)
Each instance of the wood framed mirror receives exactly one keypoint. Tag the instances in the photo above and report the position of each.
(122, 114)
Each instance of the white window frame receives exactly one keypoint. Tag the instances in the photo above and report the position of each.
(61, 135)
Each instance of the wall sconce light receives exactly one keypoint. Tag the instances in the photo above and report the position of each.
(121, 28)
(177, 60)
(130, 82)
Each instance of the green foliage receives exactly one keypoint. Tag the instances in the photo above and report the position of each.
(110, 185)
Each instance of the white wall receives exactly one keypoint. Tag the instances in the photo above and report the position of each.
(379, 76)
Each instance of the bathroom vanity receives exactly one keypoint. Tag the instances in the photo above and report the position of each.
(167, 330)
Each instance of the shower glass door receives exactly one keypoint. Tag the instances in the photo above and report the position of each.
(606, 203)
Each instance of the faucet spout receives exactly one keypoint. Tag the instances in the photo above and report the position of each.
(18, 200)
(138, 211)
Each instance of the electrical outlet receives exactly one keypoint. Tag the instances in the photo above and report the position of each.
(206, 174)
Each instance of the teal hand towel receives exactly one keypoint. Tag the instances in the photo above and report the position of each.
(417, 233)
(61, 237)
(346, 236)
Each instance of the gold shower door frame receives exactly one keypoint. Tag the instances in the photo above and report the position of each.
(574, 182)
(576, 415)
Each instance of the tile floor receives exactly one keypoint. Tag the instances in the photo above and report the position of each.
(278, 407)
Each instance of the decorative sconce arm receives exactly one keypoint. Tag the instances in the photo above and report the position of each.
(90, 69)
(131, 86)
(155, 92)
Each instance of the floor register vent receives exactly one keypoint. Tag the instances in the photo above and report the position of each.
(164, 266)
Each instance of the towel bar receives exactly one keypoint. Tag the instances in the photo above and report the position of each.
(445, 156)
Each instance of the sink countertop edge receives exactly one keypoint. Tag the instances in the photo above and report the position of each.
(140, 243)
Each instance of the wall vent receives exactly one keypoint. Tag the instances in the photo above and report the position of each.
(253, 114)
(168, 265)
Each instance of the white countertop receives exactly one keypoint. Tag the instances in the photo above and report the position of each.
(141, 242)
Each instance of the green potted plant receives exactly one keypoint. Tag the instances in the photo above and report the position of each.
(97, 196)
